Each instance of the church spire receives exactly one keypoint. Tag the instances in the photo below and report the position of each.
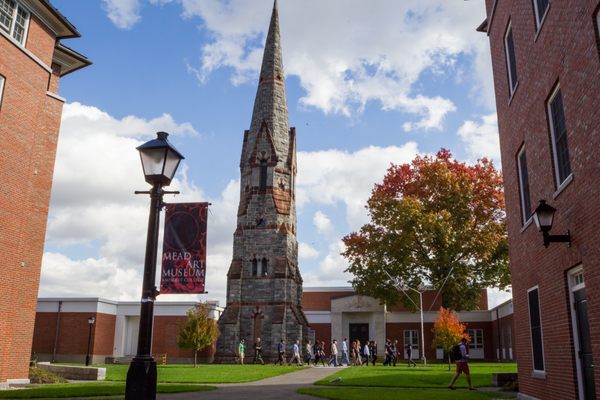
(270, 104)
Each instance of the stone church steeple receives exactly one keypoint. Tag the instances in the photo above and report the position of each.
(264, 286)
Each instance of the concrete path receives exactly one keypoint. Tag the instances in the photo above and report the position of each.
(276, 388)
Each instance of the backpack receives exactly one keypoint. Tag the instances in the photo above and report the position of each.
(455, 353)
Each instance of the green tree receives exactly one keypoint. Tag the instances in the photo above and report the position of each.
(448, 331)
(199, 330)
(431, 219)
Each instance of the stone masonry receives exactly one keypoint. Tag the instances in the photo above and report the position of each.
(264, 286)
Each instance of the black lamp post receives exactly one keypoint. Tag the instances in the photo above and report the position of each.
(543, 216)
(159, 161)
(91, 321)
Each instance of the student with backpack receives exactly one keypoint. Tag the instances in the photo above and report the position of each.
(461, 358)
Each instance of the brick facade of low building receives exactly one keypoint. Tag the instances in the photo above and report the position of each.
(32, 59)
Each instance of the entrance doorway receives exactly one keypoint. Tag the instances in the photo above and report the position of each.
(360, 332)
(583, 342)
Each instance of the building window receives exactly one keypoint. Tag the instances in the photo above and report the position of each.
(254, 267)
(263, 175)
(411, 337)
(558, 137)
(264, 267)
(511, 62)
(540, 7)
(14, 19)
(524, 185)
(476, 338)
(535, 322)
(2, 80)
(597, 26)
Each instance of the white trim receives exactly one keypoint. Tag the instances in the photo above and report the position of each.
(26, 51)
(559, 185)
(536, 371)
(563, 186)
(2, 83)
(573, 287)
(525, 219)
(56, 97)
(512, 82)
(539, 22)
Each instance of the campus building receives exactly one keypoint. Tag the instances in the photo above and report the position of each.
(62, 329)
(32, 61)
(546, 65)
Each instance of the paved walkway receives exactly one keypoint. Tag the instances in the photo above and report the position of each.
(276, 388)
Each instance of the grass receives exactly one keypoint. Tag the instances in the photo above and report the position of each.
(394, 394)
(205, 373)
(430, 376)
(90, 389)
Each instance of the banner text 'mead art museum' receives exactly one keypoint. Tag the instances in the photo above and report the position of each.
(184, 248)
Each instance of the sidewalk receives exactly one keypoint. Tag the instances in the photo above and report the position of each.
(276, 388)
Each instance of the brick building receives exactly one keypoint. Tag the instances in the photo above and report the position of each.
(32, 60)
(546, 65)
(62, 329)
(264, 285)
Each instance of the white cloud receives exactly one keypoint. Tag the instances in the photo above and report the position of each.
(123, 13)
(334, 176)
(323, 223)
(481, 138)
(93, 207)
(354, 52)
(306, 251)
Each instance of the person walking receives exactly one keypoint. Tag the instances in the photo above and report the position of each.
(409, 356)
(308, 355)
(345, 358)
(394, 349)
(388, 353)
(357, 350)
(296, 351)
(280, 353)
(334, 354)
(366, 354)
(461, 357)
(241, 349)
(258, 352)
(373, 351)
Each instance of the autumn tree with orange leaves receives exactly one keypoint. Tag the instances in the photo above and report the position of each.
(448, 331)
(428, 218)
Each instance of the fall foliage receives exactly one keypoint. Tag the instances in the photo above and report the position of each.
(448, 331)
(428, 218)
(199, 330)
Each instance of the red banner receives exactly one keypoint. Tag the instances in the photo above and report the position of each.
(184, 248)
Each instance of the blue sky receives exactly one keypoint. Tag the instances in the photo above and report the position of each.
(368, 84)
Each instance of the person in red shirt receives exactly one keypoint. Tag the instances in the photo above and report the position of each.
(462, 365)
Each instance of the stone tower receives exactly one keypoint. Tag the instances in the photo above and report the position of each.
(264, 286)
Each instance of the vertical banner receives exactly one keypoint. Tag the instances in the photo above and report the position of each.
(184, 248)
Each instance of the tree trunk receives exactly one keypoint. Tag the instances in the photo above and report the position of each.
(195, 358)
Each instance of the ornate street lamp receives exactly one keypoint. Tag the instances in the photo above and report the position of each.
(159, 162)
(543, 216)
(91, 322)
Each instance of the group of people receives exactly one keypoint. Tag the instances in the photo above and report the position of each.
(392, 353)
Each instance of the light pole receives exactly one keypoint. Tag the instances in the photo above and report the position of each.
(159, 162)
(403, 288)
(91, 321)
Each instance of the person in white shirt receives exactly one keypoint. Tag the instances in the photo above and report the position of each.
(334, 354)
(366, 354)
(345, 352)
(296, 351)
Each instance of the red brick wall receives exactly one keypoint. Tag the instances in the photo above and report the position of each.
(29, 123)
(321, 301)
(73, 334)
(564, 50)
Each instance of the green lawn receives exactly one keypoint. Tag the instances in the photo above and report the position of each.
(394, 394)
(205, 373)
(431, 376)
(90, 389)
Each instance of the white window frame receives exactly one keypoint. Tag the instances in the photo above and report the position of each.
(537, 372)
(559, 184)
(2, 83)
(413, 334)
(513, 82)
(476, 338)
(520, 172)
(539, 19)
(11, 31)
(574, 285)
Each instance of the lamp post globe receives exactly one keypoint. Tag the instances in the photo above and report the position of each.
(159, 163)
